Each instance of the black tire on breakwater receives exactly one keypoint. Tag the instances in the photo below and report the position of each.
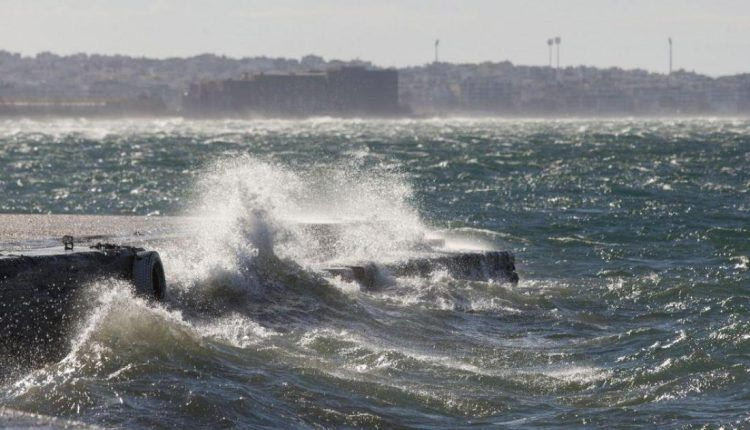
(148, 275)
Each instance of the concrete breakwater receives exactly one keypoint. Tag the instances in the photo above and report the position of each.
(41, 279)
(39, 290)
(487, 265)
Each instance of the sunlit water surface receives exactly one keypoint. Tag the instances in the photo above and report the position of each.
(632, 240)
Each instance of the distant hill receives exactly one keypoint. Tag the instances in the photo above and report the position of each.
(499, 88)
(504, 88)
(51, 76)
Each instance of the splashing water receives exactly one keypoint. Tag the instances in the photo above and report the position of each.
(631, 235)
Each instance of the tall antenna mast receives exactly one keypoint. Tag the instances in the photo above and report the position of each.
(670, 55)
(549, 45)
(557, 42)
(437, 44)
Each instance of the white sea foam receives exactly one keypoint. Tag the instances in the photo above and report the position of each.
(248, 208)
(742, 262)
(237, 330)
(368, 357)
(117, 325)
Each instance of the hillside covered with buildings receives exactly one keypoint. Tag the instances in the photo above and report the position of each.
(119, 85)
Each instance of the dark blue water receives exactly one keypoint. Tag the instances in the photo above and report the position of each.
(632, 239)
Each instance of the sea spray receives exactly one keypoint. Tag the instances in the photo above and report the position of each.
(249, 212)
(631, 309)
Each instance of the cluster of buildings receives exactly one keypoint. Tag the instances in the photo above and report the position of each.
(211, 85)
(506, 89)
(344, 91)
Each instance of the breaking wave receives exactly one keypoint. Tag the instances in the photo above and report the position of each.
(631, 308)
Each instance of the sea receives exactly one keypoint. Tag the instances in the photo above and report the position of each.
(631, 238)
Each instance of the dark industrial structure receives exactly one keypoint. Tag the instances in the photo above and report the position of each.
(345, 91)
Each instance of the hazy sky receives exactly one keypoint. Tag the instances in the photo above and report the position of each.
(711, 36)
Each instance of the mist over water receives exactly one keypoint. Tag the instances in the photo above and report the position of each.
(632, 240)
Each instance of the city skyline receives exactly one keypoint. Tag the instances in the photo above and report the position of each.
(709, 37)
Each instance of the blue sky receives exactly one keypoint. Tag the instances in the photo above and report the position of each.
(710, 36)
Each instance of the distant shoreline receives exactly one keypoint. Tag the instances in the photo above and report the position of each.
(426, 117)
(131, 86)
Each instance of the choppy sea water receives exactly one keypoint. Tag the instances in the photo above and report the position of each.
(632, 240)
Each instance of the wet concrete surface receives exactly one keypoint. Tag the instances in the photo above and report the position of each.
(18, 228)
